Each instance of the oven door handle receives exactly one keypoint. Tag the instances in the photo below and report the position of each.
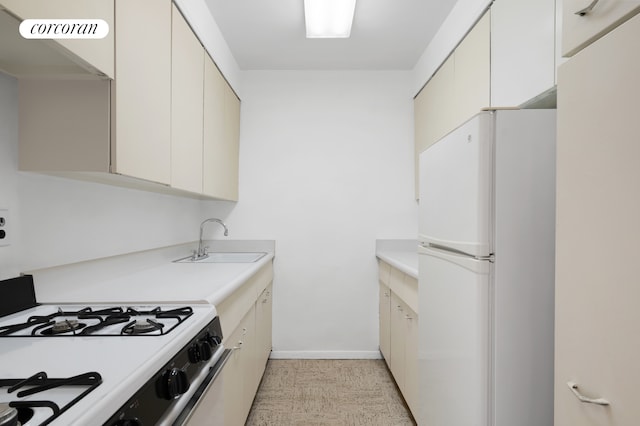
(202, 390)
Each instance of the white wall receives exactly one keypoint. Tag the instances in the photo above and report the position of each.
(56, 221)
(326, 168)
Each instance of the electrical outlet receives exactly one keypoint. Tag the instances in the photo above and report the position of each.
(5, 226)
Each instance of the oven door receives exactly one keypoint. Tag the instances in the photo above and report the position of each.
(206, 405)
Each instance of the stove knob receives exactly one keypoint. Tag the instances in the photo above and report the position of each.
(213, 339)
(173, 383)
(205, 350)
(200, 351)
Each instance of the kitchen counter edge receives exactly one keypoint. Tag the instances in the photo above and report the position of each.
(401, 254)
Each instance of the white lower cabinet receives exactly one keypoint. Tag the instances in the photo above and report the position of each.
(385, 322)
(398, 339)
(247, 313)
(234, 384)
(264, 309)
(399, 330)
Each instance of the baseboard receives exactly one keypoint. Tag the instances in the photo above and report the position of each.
(325, 355)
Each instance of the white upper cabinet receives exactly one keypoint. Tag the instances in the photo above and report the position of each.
(472, 72)
(523, 56)
(167, 122)
(187, 85)
(21, 57)
(221, 135)
(142, 91)
(584, 21)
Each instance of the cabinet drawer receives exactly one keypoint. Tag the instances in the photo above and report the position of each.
(232, 309)
(384, 270)
(406, 287)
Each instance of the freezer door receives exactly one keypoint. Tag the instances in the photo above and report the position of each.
(456, 188)
(454, 324)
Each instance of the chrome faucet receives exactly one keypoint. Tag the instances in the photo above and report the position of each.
(202, 251)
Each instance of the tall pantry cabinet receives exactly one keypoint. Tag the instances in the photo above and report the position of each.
(598, 229)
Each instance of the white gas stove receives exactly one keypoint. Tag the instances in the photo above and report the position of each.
(101, 365)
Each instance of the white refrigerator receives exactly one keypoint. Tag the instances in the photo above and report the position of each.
(486, 272)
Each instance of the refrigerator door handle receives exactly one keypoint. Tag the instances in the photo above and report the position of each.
(475, 264)
(598, 401)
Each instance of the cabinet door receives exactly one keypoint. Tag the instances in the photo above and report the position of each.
(233, 381)
(221, 143)
(187, 81)
(440, 104)
(522, 50)
(598, 205)
(398, 332)
(264, 307)
(141, 145)
(579, 31)
(385, 322)
(249, 361)
(411, 360)
(231, 151)
(97, 54)
(472, 72)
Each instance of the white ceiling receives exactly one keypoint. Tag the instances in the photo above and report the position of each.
(386, 34)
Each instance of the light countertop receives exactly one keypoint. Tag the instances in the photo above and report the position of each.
(151, 276)
(401, 254)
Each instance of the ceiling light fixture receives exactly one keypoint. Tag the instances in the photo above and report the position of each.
(329, 18)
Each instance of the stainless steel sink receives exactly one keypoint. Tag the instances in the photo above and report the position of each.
(226, 257)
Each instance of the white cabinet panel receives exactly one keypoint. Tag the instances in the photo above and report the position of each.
(221, 135)
(598, 206)
(472, 72)
(385, 322)
(143, 90)
(187, 87)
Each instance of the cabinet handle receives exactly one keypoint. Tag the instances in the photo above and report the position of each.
(574, 388)
(400, 308)
(587, 9)
(235, 348)
(264, 300)
(407, 317)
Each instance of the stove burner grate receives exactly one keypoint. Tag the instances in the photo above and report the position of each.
(90, 322)
(59, 327)
(142, 327)
(40, 383)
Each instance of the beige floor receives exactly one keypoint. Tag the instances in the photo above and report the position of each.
(328, 392)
